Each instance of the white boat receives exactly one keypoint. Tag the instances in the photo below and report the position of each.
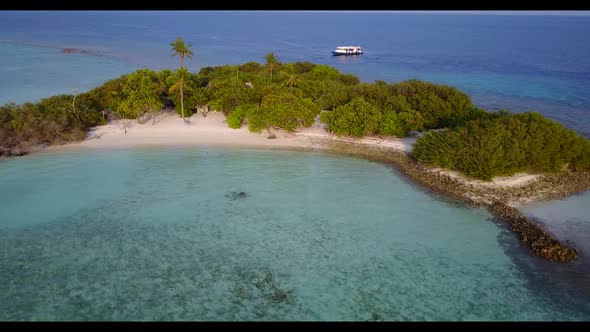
(347, 50)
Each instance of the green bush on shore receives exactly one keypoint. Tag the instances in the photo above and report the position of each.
(504, 145)
(237, 116)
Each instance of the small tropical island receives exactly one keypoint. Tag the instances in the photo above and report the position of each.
(431, 132)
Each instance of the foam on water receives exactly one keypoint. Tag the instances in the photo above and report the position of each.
(156, 234)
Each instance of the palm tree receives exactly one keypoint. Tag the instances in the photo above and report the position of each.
(181, 49)
(182, 74)
(290, 75)
(271, 62)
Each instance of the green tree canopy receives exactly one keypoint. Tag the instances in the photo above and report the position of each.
(356, 118)
(283, 110)
(504, 145)
(140, 94)
(227, 93)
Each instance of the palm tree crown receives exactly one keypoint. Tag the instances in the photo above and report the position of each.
(181, 49)
(290, 76)
(271, 61)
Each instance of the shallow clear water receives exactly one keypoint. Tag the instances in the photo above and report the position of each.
(155, 234)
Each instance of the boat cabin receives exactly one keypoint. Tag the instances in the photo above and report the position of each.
(347, 50)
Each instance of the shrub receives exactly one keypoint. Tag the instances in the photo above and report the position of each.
(503, 145)
(356, 118)
(236, 117)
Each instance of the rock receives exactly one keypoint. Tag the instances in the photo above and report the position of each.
(235, 195)
(531, 235)
(75, 50)
(375, 317)
(271, 136)
(18, 152)
(279, 295)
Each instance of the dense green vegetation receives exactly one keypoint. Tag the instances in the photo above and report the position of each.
(66, 118)
(53, 120)
(504, 144)
(398, 108)
(272, 95)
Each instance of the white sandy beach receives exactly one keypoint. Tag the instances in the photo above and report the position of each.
(170, 130)
(515, 180)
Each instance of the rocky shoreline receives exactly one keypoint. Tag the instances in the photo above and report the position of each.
(497, 200)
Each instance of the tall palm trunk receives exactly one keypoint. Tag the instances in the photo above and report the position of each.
(181, 92)
(182, 99)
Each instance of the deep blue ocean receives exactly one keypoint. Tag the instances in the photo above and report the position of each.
(518, 62)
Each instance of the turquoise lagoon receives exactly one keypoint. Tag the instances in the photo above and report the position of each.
(156, 234)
